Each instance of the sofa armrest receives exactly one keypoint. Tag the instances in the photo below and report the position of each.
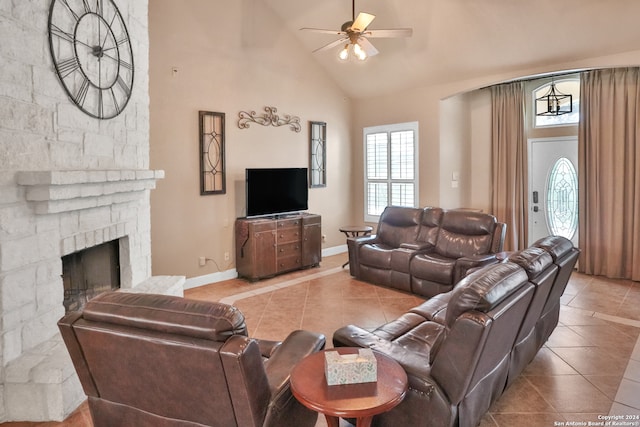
(414, 362)
(268, 347)
(362, 240)
(464, 264)
(353, 247)
(293, 349)
(75, 351)
(417, 246)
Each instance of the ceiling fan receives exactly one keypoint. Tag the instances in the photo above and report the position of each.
(354, 35)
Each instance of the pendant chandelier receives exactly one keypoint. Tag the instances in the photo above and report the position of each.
(554, 103)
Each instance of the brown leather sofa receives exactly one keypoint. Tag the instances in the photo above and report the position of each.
(153, 360)
(425, 251)
(463, 348)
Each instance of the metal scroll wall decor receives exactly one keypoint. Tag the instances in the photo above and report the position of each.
(269, 118)
(317, 154)
(212, 163)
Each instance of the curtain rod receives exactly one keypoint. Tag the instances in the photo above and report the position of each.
(540, 77)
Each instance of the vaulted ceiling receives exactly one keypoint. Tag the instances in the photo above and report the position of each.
(457, 40)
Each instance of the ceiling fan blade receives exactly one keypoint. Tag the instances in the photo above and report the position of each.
(332, 44)
(396, 32)
(362, 22)
(323, 31)
(366, 45)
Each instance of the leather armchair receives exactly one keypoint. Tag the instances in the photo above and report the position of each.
(163, 361)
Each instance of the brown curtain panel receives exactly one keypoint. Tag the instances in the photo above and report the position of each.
(609, 173)
(508, 166)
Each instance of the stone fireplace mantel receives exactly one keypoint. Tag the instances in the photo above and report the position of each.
(70, 190)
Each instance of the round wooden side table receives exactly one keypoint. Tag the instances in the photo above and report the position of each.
(361, 401)
(355, 231)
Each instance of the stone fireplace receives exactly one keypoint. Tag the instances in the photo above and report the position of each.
(74, 215)
(68, 182)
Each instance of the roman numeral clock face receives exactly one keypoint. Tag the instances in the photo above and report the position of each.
(91, 52)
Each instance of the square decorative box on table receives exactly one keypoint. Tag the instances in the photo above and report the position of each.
(353, 368)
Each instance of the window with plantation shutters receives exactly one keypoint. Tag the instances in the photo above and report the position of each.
(391, 176)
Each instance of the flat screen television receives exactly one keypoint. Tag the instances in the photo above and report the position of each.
(276, 191)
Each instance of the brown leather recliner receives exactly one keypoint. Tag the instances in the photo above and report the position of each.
(466, 240)
(370, 257)
(458, 368)
(542, 273)
(565, 256)
(162, 361)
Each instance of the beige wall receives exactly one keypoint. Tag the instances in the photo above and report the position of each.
(234, 56)
(229, 58)
(462, 139)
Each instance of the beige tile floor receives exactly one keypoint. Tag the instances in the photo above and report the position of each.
(589, 367)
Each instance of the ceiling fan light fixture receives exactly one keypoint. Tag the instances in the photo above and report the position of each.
(344, 53)
(359, 52)
(356, 33)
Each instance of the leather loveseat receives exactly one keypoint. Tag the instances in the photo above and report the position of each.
(160, 361)
(463, 348)
(425, 251)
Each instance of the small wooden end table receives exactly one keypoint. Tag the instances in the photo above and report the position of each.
(361, 401)
(355, 231)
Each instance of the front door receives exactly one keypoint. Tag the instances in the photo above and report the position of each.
(553, 188)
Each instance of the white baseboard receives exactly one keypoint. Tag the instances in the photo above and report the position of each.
(334, 250)
(194, 282)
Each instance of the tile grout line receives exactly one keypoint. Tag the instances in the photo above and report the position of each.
(231, 299)
(636, 351)
(615, 319)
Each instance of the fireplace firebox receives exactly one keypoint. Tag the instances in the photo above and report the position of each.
(88, 272)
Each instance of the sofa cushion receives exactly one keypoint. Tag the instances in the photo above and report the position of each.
(398, 225)
(169, 314)
(399, 326)
(465, 233)
(376, 255)
(484, 289)
(424, 339)
(433, 267)
(434, 308)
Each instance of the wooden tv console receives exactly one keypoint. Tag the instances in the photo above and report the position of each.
(269, 246)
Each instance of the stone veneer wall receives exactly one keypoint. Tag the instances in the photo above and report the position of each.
(67, 181)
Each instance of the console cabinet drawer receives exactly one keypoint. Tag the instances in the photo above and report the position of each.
(288, 249)
(287, 223)
(289, 263)
(289, 235)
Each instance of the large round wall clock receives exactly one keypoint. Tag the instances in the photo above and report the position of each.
(92, 55)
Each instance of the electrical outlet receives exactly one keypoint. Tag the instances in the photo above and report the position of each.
(226, 256)
(202, 261)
